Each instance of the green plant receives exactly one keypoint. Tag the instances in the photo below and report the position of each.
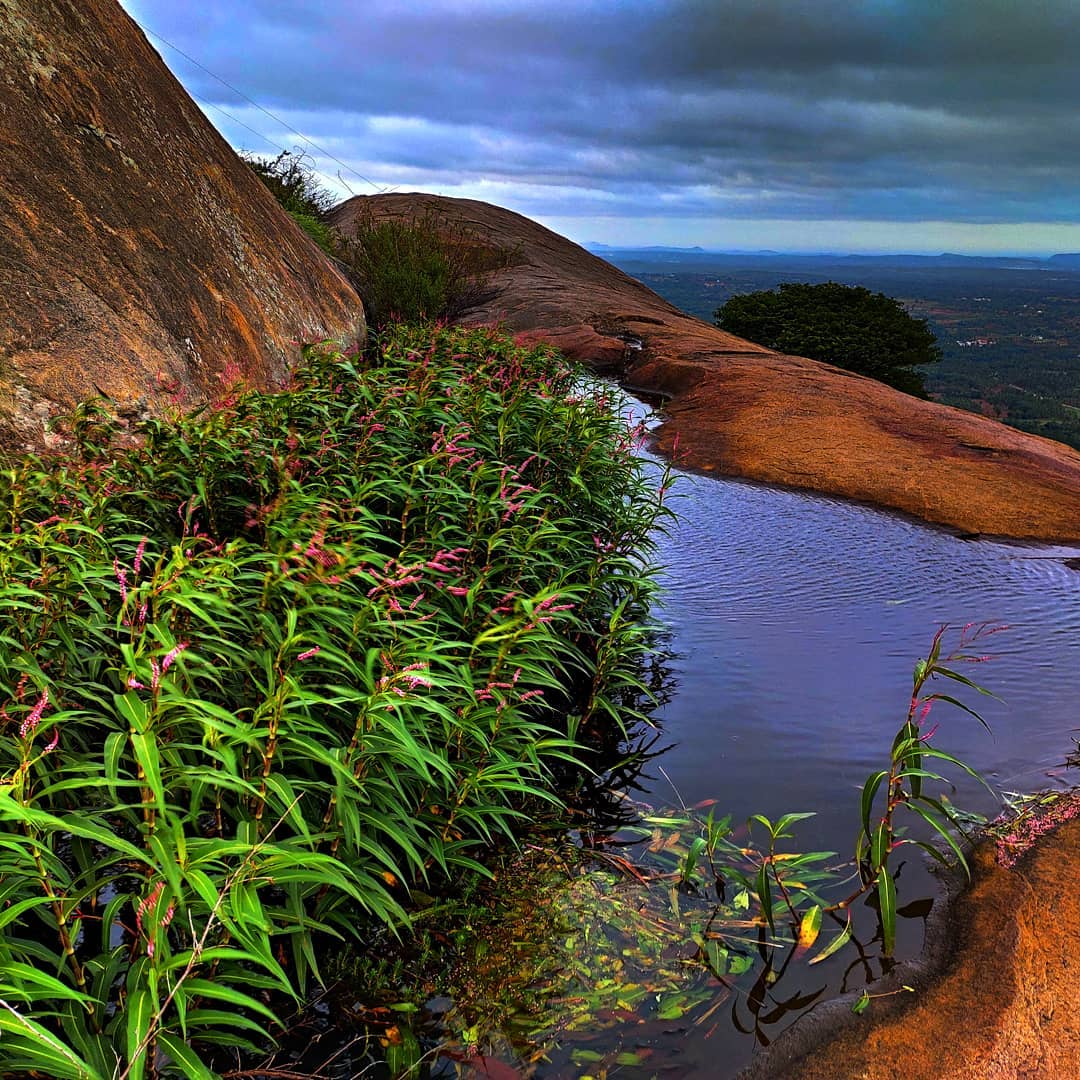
(418, 269)
(292, 180)
(284, 661)
(849, 326)
(794, 882)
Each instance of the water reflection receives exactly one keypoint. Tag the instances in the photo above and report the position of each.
(796, 620)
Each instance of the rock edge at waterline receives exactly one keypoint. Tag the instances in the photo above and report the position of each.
(995, 988)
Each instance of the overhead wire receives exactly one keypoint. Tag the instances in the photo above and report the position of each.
(251, 101)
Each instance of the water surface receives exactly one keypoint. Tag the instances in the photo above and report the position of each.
(795, 621)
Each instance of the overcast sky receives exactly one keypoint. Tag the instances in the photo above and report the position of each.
(892, 125)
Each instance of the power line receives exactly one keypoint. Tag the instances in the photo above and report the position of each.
(251, 101)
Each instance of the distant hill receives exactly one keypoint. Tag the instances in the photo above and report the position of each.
(651, 247)
(701, 259)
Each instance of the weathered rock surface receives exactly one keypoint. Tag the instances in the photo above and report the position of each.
(743, 410)
(135, 243)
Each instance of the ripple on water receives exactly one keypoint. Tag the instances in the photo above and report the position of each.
(796, 619)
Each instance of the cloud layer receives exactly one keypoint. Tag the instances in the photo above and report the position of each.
(681, 111)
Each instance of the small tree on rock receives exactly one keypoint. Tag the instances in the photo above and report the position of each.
(849, 326)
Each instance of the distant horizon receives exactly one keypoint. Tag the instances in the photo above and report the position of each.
(837, 253)
(834, 237)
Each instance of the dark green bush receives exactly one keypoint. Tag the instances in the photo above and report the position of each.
(285, 659)
(849, 326)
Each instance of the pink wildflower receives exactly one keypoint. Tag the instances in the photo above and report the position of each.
(172, 654)
(150, 903)
(33, 718)
(309, 654)
(121, 577)
(139, 556)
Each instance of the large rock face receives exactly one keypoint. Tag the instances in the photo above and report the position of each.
(136, 248)
(741, 409)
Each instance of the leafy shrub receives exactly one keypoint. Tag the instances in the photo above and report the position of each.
(293, 182)
(319, 231)
(286, 658)
(418, 269)
(849, 326)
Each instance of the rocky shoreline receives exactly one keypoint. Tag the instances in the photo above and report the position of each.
(995, 987)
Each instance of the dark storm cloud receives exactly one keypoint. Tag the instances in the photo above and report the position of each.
(928, 109)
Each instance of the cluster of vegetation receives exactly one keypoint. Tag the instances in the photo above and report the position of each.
(412, 269)
(280, 661)
(292, 180)
(407, 270)
(848, 326)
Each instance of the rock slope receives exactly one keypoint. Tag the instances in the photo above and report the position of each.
(743, 410)
(137, 249)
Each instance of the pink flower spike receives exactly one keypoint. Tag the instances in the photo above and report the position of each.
(33, 718)
(139, 555)
(309, 654)
(134, 684)
(121, 577)
(54, 741)
(171, 655)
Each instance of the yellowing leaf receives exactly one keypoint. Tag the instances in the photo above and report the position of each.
(809, 928)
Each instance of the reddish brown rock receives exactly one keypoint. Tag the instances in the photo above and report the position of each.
(135, 242)
(743, 410)
(600, 351)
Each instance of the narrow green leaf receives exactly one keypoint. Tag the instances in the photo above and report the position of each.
(139, 1014)
(941, 830)
(887, 903)
(185, 1058)
(764, 893)
(836, 944)
(870, 790)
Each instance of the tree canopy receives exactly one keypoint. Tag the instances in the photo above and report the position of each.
(846, 325)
